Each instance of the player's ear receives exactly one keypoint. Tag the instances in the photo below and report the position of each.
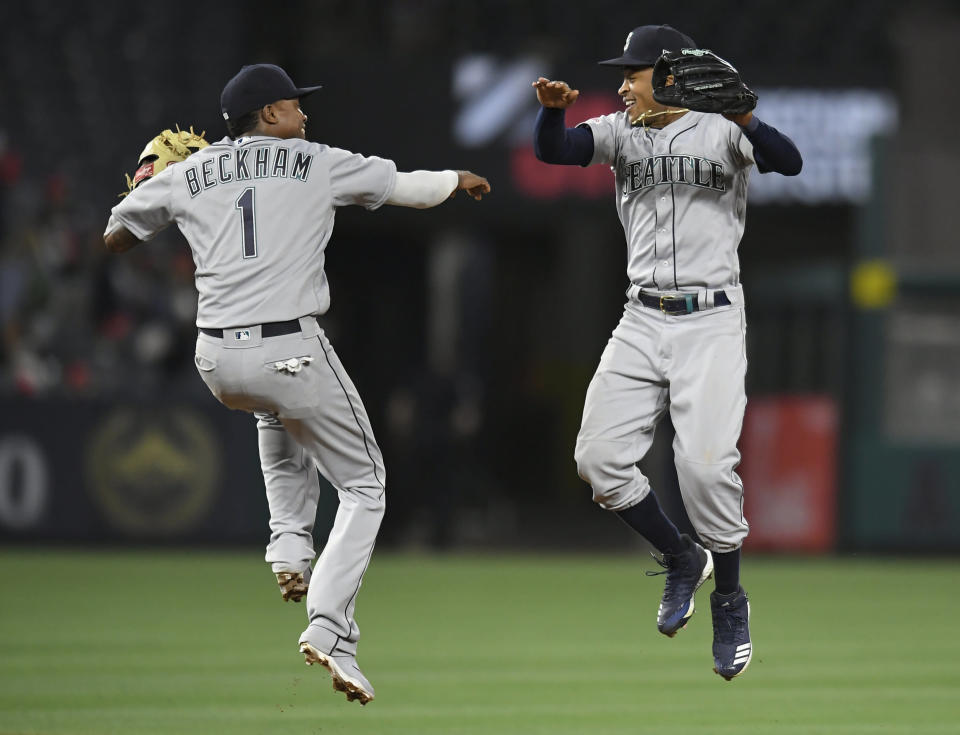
(268, 114)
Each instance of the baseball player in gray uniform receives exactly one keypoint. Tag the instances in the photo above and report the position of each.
(257, 209)
(681, 186)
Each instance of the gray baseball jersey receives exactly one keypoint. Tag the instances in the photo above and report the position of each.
(681, 197)
(240, 204)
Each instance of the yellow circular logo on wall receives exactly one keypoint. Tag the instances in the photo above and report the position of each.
(153, 472)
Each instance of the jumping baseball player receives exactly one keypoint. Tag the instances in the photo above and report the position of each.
(681, 179)
(257, 209)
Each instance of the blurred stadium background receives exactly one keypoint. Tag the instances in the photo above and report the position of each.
(472, 330)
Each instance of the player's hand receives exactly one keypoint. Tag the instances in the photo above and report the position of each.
(555, 94)
(475, 186)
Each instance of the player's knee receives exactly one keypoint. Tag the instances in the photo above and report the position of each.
(701, 477)
(595, 466)
(372, 500)
(591, 462)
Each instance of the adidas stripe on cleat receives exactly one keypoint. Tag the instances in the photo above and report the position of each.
(732, 647)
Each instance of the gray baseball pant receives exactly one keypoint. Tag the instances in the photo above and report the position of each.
(694, 365)
(309, 414)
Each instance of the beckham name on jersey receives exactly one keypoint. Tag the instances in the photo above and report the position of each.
(243, 164)
(672, 169)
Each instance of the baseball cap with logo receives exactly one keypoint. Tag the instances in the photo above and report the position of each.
(257, 85)
(645, 44)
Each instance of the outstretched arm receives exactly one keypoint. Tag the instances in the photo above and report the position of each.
(553, 142)
(424, 189)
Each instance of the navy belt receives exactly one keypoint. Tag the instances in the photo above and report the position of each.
(270, 329)
(680, 303)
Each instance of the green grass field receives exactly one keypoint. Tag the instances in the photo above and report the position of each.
(182, 643)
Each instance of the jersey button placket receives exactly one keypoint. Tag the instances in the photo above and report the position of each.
(664, 240)
(664, 234)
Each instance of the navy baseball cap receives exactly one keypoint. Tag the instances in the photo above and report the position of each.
(645, 44)
(257, 85)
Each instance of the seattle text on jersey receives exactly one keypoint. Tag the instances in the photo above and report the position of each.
(670, 169)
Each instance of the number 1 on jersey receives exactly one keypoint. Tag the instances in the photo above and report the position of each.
(245, 205)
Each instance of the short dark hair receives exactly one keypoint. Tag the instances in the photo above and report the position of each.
(243, 124)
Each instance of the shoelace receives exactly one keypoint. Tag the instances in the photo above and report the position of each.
(674, 565)
(662, 561)
(729, 622)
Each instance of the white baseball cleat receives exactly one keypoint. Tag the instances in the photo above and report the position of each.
(346, 675)
(293, 585)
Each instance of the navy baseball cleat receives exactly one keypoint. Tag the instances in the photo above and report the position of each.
(732, 649)
(685, 572)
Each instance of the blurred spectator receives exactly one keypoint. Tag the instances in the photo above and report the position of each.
(77, 323)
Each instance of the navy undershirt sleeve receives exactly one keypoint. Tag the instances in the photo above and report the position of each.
(553, 142)
(772, 150)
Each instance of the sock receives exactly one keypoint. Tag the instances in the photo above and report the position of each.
(647, 519)
(726, 571)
